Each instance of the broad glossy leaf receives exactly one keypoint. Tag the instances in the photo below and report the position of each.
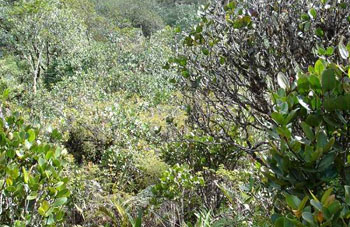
(316, 204)
(313, 120)
(330, 51)
(278, 118)
(322, 140)
(283, 81)
(284, 132)
(308, 131)
(63, 193)
(334, 207)
(344, 53)
(50, 220)
(312, 13)
(319, 67)
(305, 17)
(303, 84)
(59, 202)
(32, 196)
(303, 103)
(329, 145)
(49, 154)
(319, 32)
(293, 201)
(31, 135)
(307, 216)
(44, 207)
(41, 161)
(291, 115)
(325, 195)
(330, 104)
(205, 51)
(347, 194)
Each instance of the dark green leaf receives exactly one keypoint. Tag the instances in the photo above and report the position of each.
(308, 131)
(328, 79)
(293, 201)
(325, 195)
(59, 202)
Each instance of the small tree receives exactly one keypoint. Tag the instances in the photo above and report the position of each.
(230, 61)
(42, 32)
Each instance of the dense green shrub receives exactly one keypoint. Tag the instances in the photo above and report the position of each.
(85, 146)
(311, 128)
(32, 188)
(247, 200)
(178, 184)
(230, 60)
(132, 13)
(120, 168)
(132, 170)
(124, 123)
(182, 14)
(200, 152)
(322, 211)
(309, 139)
(87, 194)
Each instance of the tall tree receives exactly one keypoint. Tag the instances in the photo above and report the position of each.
(43, 31)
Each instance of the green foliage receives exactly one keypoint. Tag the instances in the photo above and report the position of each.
(327, 211)
(309, 143)
(310, 130)
(132, 171)
(175, 182)
(87, 194)
(231, 58)
(126, 219)
(47, 36)
(247, 132)
(132, 13)
(181, 14)
(201, 152)
(86, 146)
(204, 219)
(241, 69)
(32, 188)
(249, 200)
(180, 186)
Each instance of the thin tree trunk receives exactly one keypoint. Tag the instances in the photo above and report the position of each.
(37, 71)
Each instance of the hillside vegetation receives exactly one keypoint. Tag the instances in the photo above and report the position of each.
(175, 113)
